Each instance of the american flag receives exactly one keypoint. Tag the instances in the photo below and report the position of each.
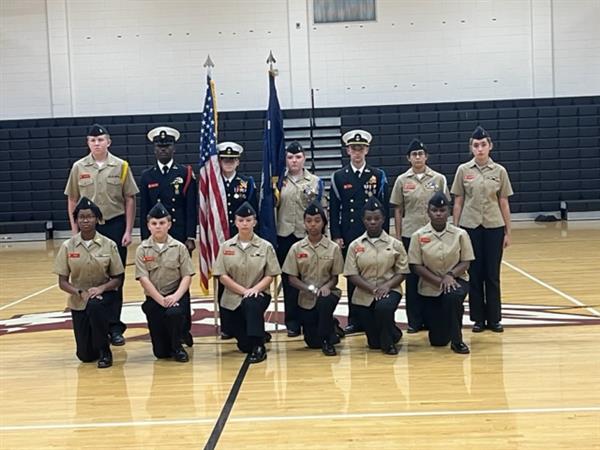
(214, 228)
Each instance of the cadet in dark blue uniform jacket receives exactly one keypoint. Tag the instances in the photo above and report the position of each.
(239, 188)
(174, 185)
(351, 188)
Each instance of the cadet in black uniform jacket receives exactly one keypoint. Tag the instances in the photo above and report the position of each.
(349, 193)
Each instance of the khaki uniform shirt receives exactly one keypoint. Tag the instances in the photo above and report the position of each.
(314, 265)
(481, 189)
(440, 252)
(87, 267)
(163, 267)
(246, 266)
(376, 262)
(294, 197)
(412, 195)
(106, 186)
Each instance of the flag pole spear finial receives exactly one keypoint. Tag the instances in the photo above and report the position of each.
(270, 61)
(209, 64)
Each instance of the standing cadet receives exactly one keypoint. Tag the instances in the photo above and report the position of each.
(108, 182)
(239, 188)
(412, 190)
(174, 185)
(376, 264)
(246, 265)
(164, 269)
(440, 254)
(481, 189)
(313, 265)
(89, 268)
(351, 188)
(298, 189)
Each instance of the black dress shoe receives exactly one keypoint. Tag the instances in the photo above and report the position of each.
(328, 349)
(225, 336)
(188, 339)
(391, 350)
(293, 333)
(268, 336)
(352, 328)
(478, 327)
(496, 327)
(181, 355)
(105, 359)
(460, 347)
(117, 339)
(259, 354)
(411, 330)
(339, 331)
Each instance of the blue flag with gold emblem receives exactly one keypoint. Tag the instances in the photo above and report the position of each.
(273, 166)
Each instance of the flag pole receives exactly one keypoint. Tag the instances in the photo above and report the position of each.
(209, 64)
(312, 127)
(276, 281)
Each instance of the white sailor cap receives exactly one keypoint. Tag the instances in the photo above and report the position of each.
(360, 137)
(163, 135)
(229, 150)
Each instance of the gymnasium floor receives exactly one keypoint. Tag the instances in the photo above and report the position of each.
(535, 386)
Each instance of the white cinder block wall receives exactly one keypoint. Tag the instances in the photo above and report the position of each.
(78, 57)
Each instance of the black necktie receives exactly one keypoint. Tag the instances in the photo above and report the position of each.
(357, 173)
(165, 169)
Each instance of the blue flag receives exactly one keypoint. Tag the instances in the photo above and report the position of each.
(273, 166)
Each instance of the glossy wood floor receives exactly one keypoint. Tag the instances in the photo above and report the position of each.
(535, 386)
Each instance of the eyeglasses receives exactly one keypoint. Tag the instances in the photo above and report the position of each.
(417, 153)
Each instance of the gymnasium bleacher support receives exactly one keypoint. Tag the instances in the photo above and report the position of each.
(551, 148)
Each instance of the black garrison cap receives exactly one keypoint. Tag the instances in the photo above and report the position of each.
(158, 211)
(373, 204)
(97, 130)
(245, 210)
(480, 133)
(439, 199)
(294, 148)
(415, 144)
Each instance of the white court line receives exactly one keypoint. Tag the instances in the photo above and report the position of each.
(552, 288)
(143, 423)
(28, 297)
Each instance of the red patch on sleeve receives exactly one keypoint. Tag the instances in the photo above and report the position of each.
(74, 255)
(348, 186)
(302, 255)
(469, 177)
(149, 258)
(152, 185)
(359, 249)
(424, 239)
(83, 176)
(229, 252)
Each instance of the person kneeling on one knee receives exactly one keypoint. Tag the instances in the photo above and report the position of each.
(440, 254)
(376, 264)
(89, 268)
(164, 269)
(313, 265)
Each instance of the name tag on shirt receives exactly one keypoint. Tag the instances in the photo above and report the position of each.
(229, 252)
(152, 185)
(74, 255)
(469, 177)
(348, 186)
(83, 176)
(302, 255)
(424, 239)
(149, 258)
(359, 249)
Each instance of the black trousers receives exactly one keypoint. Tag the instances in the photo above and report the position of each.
(378, 321)
(247, 322)
(484, 274)
(90, 326)
(166, 325)
(290, 293)
(414, 308)
(114, 230)
(443, 315)
(318, 322)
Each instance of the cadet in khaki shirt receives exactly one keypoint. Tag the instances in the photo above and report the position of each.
(108, 182)
(440, 254)
(90, 270)
(313, 265)
(412, 190)
(298, 189)
(481, 189)
(164, 269)
(246, 265)
(376, 264)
